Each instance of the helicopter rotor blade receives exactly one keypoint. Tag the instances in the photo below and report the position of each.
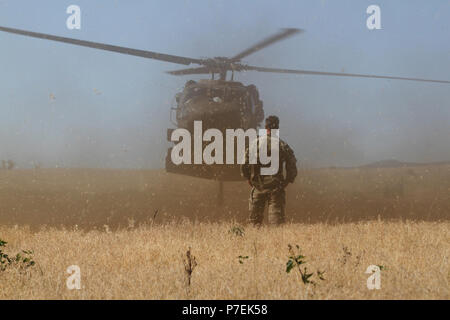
(107, 47)
(200, 70)
(267, 42)
(319, 73)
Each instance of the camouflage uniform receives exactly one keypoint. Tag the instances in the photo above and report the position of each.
(269, 188)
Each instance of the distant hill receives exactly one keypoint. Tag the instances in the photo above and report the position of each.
(392, 163)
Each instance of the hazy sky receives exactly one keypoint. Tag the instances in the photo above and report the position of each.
(62, 105)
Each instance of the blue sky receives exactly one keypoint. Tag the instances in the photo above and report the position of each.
(111, 110)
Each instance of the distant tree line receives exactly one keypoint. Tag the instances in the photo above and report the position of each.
(8, 164)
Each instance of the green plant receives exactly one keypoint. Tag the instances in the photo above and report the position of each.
(381, 267)
(237, 231)
(242, 259)
(296, 259)
(22, 260)
(4, 259)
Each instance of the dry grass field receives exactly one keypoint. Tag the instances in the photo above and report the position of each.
(146, 262)
(129, 231)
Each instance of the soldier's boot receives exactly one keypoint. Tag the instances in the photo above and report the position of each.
(277, 203)
(257, 204)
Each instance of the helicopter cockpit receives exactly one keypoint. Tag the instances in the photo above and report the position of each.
(220, 104)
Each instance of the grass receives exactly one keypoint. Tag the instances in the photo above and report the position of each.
(146, 262)
(130, 230)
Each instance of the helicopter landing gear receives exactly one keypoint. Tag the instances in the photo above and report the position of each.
(220, 194)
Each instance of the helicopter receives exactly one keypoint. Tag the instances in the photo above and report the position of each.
(220, 102)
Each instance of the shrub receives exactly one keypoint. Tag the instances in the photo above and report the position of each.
(296, 259)
(22, 260)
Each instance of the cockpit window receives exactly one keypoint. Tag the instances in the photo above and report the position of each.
(194, 92)
(219, 94)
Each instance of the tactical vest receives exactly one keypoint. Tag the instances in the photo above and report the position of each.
(268, 181)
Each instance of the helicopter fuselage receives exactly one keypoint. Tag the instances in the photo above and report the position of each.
(221, 105)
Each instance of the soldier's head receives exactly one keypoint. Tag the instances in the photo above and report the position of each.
(189, 83)
(272, 122)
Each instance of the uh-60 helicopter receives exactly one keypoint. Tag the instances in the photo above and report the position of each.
(218, 103)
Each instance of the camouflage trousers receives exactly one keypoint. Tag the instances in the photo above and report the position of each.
(276, 200)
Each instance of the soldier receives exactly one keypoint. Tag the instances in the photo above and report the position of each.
(269, 188)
